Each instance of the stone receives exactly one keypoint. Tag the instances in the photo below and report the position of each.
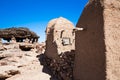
(40, 48)
(98, 46)
(8, 71)
(61, 68)
(59, 37)
(13, 60)
(26, 47)
(2, 48)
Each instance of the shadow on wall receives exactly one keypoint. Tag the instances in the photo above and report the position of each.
(51, 46)
(90, 58)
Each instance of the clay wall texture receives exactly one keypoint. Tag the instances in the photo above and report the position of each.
(112, 38)
(98, 47)
(90, 45)
(58, 29)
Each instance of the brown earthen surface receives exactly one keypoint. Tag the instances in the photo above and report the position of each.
(98, 46)
(112, 38)
(57, 31)
(16, 64)
(90, 46)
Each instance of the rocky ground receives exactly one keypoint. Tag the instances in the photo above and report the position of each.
(16, 64)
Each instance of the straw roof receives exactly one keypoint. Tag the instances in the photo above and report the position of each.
(17, 33)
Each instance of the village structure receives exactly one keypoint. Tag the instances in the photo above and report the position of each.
(18, 35)
(97, 40)
(97, 48)
(60, 37)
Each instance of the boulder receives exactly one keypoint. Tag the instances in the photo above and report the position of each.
(2, 48)
(26, 47)
(8, 71)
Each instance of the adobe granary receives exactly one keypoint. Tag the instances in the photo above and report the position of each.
(59, 37)
(97, 54)
(60, 45)
(18, 35)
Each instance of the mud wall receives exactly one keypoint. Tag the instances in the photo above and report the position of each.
(59, 37)
(90, 60)
(51, 47)
(112, 38)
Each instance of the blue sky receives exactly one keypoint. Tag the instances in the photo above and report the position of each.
(35, 14)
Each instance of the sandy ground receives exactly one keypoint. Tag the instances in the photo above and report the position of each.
(25, 62)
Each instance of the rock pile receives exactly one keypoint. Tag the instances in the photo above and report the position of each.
(61, 68)
(16, 64)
